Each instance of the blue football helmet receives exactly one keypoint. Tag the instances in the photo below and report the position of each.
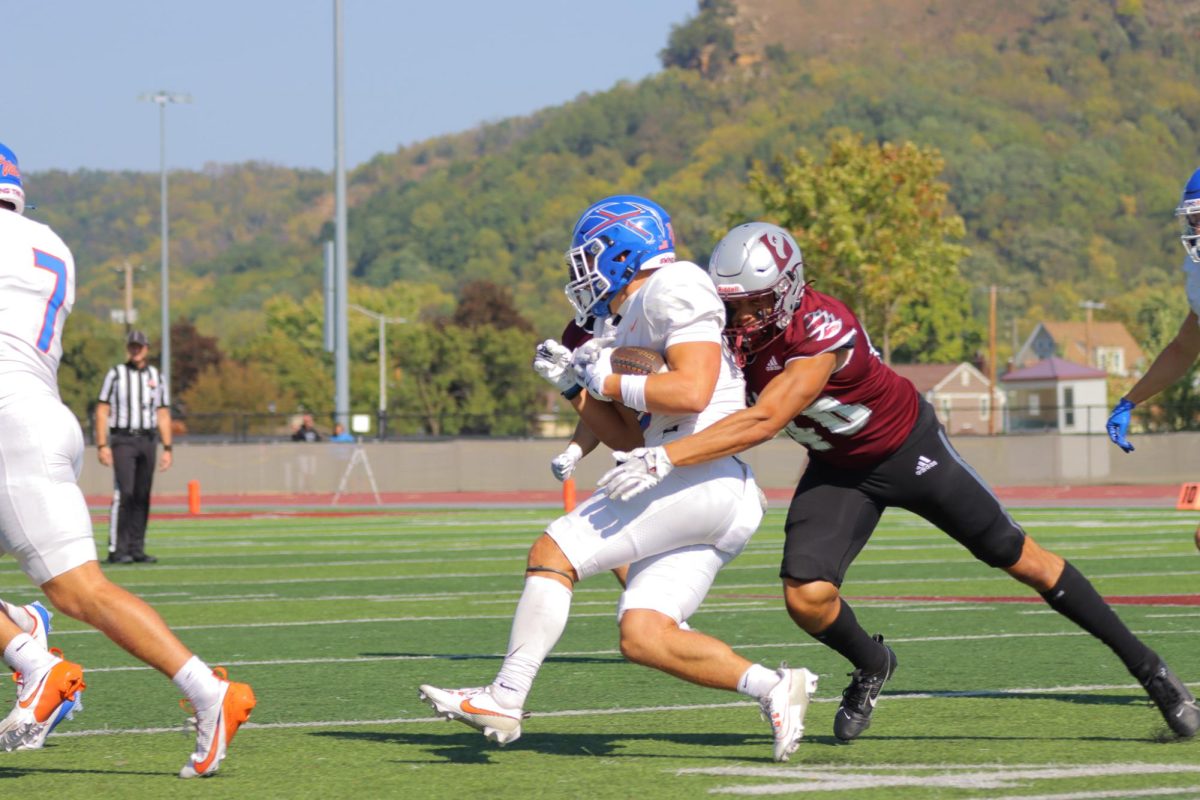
(11, 190)
(612, 241)
(1188, 214)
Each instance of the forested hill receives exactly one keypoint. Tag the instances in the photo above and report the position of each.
(1067, 129)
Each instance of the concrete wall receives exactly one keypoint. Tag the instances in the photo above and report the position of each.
(511, 465)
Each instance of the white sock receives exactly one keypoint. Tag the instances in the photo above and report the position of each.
(198, 683)
(757, 681)
(539, 621)
(26, 656)
(20, 617)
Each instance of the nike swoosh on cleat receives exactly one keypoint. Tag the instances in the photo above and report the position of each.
(469, 708)
(33, 696)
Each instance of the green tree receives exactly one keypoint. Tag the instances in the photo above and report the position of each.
(705, 42)
(875, 229)
(90, 347)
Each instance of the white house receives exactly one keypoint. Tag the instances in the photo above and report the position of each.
(1056, 395)
(959, 393)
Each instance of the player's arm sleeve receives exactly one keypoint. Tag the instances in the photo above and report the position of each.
(690, 312)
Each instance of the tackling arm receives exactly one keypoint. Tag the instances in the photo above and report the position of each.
(789, 393)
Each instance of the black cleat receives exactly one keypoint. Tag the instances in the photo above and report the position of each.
(1173, 699)
(859, 698)
(113, 558)
(145, 558)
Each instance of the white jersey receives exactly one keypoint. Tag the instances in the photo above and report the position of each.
(37, 290)
(679, 304)
(1192, 270)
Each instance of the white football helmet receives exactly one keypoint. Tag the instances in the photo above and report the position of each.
(753, 260)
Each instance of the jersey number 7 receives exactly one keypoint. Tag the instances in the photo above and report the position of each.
(43, 260)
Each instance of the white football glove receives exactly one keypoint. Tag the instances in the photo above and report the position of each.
(553, 362)
(563, 464)
(593, 363)
(636, 471)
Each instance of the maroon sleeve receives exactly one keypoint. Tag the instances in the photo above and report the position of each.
(573, 335)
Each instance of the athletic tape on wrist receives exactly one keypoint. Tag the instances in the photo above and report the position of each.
(633, 391)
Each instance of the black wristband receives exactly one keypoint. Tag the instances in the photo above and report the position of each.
(573, 392)
(166, 448)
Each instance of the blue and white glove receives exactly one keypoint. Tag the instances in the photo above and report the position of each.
(563, 464)
(1118, 424)
(636, 471)
(593, 363)
(553, 362)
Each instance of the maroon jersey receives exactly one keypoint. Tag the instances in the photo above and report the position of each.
(865, 411)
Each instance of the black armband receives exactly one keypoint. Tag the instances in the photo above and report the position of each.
(573, 392)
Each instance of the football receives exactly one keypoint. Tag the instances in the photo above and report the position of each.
(637, 361)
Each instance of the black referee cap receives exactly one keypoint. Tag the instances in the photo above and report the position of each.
(137, 337)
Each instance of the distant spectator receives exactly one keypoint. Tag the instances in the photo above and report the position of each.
(305, 432)
(339, 434)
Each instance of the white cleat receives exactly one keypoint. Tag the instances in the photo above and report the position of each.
(784, 708)
(43, 700)
(39, 628)
(477, 708)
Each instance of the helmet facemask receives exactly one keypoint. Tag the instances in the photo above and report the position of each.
(1188, 215)
(772, 317)
(598, 271)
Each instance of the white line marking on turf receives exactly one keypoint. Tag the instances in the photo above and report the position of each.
(824, 779)
(1118, 794)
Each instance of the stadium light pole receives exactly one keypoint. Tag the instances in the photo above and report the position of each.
(341, 346)
(383, 321)
(161, 98)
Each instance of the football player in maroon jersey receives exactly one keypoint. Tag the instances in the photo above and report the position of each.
(872, 442)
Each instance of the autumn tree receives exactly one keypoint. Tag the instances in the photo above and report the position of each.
(875, 229)
(191, 353)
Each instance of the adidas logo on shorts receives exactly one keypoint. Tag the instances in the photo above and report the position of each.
(773, 365)
(925, 464)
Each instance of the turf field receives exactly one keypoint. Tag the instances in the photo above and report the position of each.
(335, 621)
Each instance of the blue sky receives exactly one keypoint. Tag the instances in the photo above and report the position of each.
(261, 73)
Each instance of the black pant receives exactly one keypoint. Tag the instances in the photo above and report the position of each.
(834, 511)
(133, 472)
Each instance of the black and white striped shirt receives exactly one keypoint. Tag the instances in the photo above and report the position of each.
(135, 395)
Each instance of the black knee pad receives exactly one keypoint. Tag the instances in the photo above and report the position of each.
(999, 544)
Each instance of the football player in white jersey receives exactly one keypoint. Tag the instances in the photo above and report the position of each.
(1173, 362)
(44, 520)
(674, 538)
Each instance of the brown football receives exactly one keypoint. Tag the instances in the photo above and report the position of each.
(637, 361)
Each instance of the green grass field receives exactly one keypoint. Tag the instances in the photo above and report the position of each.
(335, 621)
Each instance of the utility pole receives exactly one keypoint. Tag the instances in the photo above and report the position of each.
(128, 317)
(992, 360)
(1090, 305)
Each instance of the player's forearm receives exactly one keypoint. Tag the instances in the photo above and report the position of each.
(732, 435)
(1171, 365)
(606, 424)
(584, 438)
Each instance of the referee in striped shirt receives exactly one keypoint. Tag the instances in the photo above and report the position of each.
(133, 407)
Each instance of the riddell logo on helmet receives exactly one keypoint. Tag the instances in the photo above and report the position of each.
(8, 169)
(730, 288)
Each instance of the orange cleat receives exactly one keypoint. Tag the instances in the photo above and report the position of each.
(216, 726)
